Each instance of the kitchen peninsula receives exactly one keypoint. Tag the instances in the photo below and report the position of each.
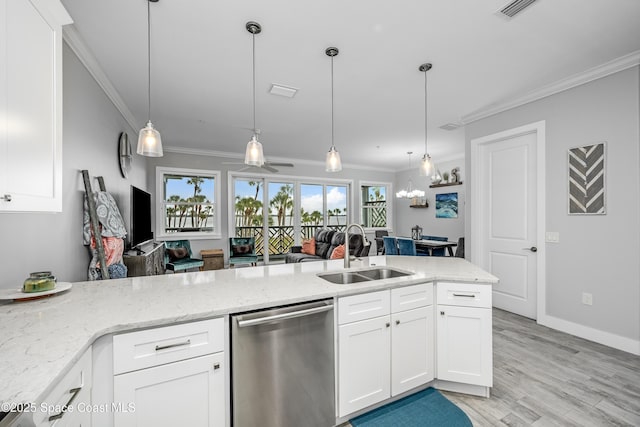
(42, 340)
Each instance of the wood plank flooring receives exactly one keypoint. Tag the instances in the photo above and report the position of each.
(543, 377)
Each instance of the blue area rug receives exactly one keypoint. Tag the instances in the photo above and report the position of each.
(425, 408)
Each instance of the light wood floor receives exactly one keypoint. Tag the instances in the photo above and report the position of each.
(543, 377)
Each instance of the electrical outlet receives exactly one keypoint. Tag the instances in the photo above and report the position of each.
(552, 236)
(587, 299)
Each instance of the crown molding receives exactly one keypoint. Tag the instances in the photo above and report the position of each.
(73, 39)
(237, 156)
(619, 64)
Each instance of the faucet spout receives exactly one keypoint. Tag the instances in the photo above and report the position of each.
(347, 259)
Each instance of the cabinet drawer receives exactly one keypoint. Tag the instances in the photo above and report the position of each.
(363, 306)
(411, 297)
(153, 347)
(72, 391)
(464, 294)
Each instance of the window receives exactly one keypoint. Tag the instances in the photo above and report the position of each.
(187, 206)
(373, 200)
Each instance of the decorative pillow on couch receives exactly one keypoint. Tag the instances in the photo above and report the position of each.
(239, 250)
(338, 252)
(177, 253)
(309, 247)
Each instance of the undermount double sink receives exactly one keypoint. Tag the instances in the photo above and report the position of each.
(347, 277)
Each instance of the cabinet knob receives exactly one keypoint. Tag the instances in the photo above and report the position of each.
(397, 322)
(442, 313)
(216, 366)
(6, 197)
(388, 324)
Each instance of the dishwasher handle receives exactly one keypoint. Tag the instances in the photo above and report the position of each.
(284, 316)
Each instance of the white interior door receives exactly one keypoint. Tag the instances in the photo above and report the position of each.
(508, 216)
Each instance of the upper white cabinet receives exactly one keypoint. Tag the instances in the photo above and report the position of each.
(31, 105)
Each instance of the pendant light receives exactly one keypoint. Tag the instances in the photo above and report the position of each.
(426, 167)
(149, 140)
(333, 163)
(254, 155)
(409, 192)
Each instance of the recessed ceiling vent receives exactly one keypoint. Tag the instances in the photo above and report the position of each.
(515, 7)
(451, 126)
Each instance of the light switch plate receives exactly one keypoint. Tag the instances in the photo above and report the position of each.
(552, 236)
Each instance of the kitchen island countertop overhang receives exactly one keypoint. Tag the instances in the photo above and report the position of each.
(42, 339)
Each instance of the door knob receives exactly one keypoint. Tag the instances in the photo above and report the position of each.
(532, 249)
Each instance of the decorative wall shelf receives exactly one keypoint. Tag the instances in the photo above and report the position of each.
(426, 205)
(445, 185)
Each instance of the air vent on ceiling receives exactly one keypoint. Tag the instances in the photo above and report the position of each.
(451, 126)
(515, 7)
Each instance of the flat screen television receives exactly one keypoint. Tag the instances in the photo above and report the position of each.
(140, 217)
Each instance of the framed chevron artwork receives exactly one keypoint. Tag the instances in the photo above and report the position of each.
(587, 180)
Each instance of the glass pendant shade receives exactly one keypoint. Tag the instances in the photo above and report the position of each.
(149, 141)
(333, 163)
(426, 166)
(409, 193)
(254, 155)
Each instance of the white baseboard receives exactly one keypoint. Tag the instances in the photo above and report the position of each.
(606, 338)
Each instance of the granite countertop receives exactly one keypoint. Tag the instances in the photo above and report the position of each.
(41, 339)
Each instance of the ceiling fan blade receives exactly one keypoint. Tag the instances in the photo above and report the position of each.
(287, 165)
(269, 168)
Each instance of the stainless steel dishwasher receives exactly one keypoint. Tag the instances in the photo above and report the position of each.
(282, 366)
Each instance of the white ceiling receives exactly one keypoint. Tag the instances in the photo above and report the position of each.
(201, 67)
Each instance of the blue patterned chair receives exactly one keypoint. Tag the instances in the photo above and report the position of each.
(390, 245)
(242, 250)
(434, 251)
(177, 256)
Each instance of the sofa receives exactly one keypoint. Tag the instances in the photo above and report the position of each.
(325, 243)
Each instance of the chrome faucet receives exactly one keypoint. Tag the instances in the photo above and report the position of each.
(347, 256)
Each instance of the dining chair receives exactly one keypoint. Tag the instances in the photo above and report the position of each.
(379, 243)
(406, 246)
(390, 245)
(436, 251)
(460, 248)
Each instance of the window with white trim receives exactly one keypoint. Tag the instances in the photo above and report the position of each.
(375, 212)
(188, 206)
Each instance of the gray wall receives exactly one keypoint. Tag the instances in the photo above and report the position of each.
(407, 218)
(45, 241)
(596, 254)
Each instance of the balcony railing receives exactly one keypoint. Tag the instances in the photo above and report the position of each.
(281, 238)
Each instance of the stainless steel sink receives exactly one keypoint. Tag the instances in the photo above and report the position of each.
(367, 275)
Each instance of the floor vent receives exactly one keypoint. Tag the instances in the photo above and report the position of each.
(515, 7)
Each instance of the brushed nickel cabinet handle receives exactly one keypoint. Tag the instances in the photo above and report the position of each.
(6, 197)
(179, 344)
(464, 295)
(74, 392)
(216, 366)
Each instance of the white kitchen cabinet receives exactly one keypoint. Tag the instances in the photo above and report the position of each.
(386, 355)
(185, 393)
(464, 335)
(69, 403)
(31, 105)
(172, 375)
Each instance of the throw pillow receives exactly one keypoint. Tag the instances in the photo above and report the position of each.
(177, 253)
(240, 250)
(309, 247)
(338, 252)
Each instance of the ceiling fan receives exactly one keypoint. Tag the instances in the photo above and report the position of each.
(268, 166)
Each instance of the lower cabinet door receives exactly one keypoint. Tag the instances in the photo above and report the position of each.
(185, 393)
(412, 350)
(364, 365)
(464, 343)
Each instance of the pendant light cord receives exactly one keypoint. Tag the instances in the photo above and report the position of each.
(254, 84)
(149, 57)
(426, 154)
(332, 132)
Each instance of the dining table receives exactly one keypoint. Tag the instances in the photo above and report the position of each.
(430, 245)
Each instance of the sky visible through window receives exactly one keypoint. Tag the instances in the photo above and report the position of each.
(311, 195)
(180, 187)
